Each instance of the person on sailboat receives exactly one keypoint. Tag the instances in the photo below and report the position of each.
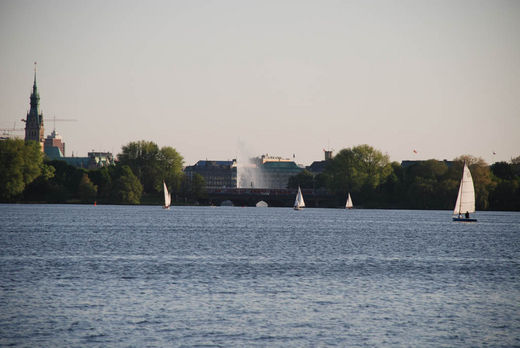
(467, 215)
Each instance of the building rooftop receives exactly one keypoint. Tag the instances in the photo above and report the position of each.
(317, 166)
(281, 166)
(53, 152)
(207, 163)
(54, 135)
(266, 158)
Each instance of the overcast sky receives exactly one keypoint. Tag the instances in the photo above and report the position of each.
(215, 79)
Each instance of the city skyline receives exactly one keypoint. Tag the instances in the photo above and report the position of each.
(216, 80)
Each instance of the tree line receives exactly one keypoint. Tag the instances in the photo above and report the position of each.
(375, 182)
(137, 178)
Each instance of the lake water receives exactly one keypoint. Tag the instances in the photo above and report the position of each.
(73, 275)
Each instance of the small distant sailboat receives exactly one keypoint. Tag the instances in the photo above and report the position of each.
(349, 204)
(466, 198)
(167, 197)
(299, 203)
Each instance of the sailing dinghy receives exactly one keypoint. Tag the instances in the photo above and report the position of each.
(167, 197)
(466, 198)
(299, 203)
(349, 204)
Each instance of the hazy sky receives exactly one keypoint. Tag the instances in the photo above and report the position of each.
(216, 78)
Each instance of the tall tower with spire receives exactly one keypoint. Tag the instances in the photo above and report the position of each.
(34, 120)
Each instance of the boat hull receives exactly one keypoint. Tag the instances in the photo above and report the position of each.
(464, 219)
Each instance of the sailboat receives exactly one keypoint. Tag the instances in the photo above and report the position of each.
(299, 203)
(466, 198)
(349, 204)
(167, 197)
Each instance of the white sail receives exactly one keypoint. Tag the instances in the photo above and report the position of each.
(167, 196)
(349, 204)
(299, 202)
(466, 197)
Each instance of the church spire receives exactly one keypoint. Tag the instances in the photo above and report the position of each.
(35, 96)
(34, 84)
(34, 121)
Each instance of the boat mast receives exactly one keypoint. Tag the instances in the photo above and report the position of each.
(461, 186)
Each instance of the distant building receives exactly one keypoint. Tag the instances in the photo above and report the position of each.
(268, 172)
(318, 167)
(216, 174)
(93, 160)
(328, 154)
(53, 152)
(276, 174)
(34, 120)
(100, 159)
(53, 146)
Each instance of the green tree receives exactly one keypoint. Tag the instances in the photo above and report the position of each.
(141, 156)
(102, 178)
(303, 179)
(152, 165)
(506, 194)
(20, 163)
(170, 165)
(503, 170)
(41, 189)
(87, 191)
(126, 187)
(198, 187)
(321, 181)
(392, 187)
(360, 169)
(193, 188)
(64, 184)
(427, 185)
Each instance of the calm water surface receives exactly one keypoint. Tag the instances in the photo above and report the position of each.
(74, 275)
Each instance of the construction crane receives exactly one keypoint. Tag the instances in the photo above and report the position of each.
(7, 131)
(54, 120)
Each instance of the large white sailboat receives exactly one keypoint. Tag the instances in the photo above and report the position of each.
(349, 204)
(299, 203)
(466, 198)
(167, 197)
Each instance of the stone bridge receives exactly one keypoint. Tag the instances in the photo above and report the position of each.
(249, 197)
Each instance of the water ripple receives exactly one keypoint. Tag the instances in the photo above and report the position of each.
(235, 277)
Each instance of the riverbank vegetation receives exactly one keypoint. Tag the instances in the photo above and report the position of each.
(27, 176)
(373, 181)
